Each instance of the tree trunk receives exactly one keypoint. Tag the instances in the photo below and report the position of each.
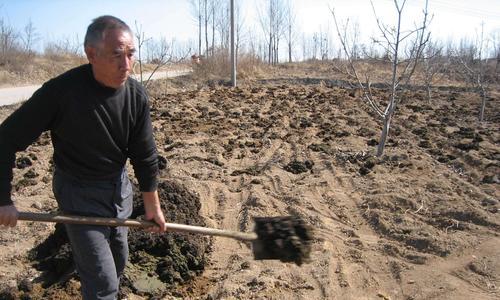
(270, 58)
(270, 48)
(289, 42)
(213, 29)
(206, 28)
(385, 133)
(483, 104)
(496, 66)
(199, 27)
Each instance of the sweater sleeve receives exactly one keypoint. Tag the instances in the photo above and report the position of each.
(21, 129)
(142, 149)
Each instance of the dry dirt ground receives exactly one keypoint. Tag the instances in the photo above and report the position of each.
(421, 222)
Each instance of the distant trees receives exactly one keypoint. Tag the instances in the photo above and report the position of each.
(196, 11)
(272, 21)
(213, 23)
(15, 44)
(8, 41)
(495, 42)
(274, 36)
(64, 47)
(30, 37)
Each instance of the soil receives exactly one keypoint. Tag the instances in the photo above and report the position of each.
(420, 222)
(156, 261)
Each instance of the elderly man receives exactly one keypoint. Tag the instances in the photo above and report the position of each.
(98, 117)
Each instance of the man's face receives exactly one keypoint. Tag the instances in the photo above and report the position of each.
(112, 59)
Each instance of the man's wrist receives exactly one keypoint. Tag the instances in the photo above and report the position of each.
(151, 197)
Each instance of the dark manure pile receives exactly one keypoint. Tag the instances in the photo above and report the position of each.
(157, 262)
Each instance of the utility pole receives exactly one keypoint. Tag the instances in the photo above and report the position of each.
(233, 52)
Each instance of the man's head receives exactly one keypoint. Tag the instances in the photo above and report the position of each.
(109, 45)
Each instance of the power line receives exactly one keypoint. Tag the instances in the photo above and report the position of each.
(468, 10)
(455, 7)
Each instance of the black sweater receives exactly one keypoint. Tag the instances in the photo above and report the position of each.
(94, 130)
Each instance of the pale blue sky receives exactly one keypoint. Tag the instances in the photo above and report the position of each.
(55, 19)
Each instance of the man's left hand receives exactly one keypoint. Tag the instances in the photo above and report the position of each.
(153, 211)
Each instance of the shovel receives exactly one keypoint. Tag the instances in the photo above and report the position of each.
(285, 238)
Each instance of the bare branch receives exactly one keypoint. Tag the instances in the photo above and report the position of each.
(366, 94)
(382, 27)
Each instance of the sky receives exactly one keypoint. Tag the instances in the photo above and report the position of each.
(56, 19)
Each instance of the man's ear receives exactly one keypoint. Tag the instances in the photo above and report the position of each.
(91, 53)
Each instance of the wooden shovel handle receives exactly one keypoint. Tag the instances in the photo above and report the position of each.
(69, 219)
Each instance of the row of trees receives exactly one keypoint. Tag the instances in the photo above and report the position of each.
(273, 37)
(212, 18)
(276, 19)
(18, 44)
(24, 43)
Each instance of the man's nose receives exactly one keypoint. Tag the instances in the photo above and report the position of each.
(125, 63)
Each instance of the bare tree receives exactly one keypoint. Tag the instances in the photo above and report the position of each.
(206, 19)
(272, 23)
(315, 45)
(30, 37)
(214, 6)
(141, 41)
(355, 48)
(8, 41)
(222, 24)
(181, 50)
(392, 39)
(433, 63)
(239, 28)
(162, 53)
(324, 44)
(159, 53)
(495, 42)
(305, 46)
(65, 46)
(474, 63)
(197, 13)
(290, 23)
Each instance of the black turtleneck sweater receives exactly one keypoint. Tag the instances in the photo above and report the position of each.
(94, 130)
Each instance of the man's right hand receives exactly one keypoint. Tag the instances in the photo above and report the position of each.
(8, 215)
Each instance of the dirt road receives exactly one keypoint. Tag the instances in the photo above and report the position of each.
(14, 95)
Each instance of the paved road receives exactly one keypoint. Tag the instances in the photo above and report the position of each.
(19, 94)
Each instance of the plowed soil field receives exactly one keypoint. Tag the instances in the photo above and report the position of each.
(420, 222)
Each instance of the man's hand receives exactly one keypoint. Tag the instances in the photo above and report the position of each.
(153, 211)
(8, 215)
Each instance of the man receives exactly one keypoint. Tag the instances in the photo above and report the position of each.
(98, 117)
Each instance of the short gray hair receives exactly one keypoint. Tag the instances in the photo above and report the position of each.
(96, 29)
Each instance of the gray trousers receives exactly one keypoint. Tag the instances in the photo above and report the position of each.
(100, 253)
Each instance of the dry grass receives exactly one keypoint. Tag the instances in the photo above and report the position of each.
(22, 69)
(218, 67)
(25, 69)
